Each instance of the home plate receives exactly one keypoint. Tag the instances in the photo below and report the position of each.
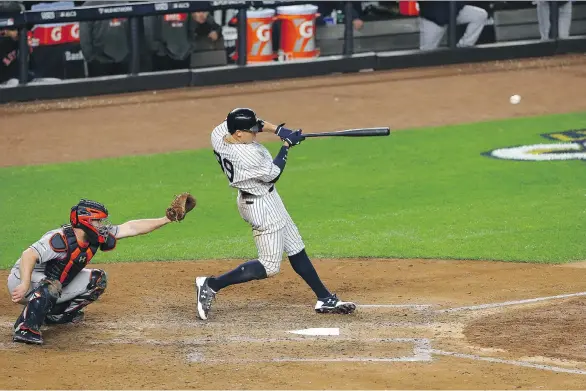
(317, 331)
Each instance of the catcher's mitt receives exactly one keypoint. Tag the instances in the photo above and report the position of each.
(181, 205)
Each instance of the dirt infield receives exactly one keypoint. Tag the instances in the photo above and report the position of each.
(420, 324)
(141, 334)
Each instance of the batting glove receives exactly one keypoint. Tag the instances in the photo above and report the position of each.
(295, 138)
(283, 132)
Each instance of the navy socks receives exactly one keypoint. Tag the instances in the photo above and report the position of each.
(248, 271)
(254, 270)
(303, 266)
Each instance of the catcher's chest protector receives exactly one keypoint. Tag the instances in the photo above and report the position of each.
(77, 257)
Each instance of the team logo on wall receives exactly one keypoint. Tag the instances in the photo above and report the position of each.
(571, 146)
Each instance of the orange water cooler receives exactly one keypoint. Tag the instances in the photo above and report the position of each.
(297, 39)
(408, 8)
(259, 36)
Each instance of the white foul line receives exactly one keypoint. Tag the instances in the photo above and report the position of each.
(196, 358)
(414, 306)
(511, 362)
(514, 302)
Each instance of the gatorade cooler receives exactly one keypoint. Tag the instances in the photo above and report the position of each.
(259, 33)
(298, 31)
(408, 8)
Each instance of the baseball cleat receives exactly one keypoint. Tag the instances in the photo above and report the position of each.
(205, 296)
(26, 335)
(71, 317)
(333, 305)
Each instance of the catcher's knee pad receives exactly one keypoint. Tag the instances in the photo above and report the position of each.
(95, 288)
(97, 285)
(40, 303)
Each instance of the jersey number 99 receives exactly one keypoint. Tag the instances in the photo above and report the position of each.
(226, 166)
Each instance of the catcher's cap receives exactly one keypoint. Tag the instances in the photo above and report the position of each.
(243, 119)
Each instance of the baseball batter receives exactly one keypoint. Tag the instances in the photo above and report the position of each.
(251, 169)
(50, 278)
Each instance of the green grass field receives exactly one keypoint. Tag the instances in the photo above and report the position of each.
(420, 193)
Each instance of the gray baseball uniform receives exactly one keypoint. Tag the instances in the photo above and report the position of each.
(431, 34)
(250, 169)
(564, 19)
(77, 286)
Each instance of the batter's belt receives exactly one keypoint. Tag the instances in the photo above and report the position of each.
(247, 194)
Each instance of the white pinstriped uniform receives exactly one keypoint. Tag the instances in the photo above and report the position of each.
(250, 168)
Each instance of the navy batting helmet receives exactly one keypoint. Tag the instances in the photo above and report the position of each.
(243, 119)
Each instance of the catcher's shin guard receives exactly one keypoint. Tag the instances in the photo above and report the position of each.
(40, 303)
(95, 288)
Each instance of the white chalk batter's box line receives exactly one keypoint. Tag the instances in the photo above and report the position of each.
(421, 351)
(420, 307)
(213, 326)
(424, 352)
(510, 303)
(424, 307)
(428, 307)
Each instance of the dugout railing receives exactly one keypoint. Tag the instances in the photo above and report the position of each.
(346, 61)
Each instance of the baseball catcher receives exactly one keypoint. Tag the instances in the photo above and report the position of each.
(51, 279)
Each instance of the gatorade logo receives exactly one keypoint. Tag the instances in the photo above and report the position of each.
(63, 33)
(56, 34)
(305, 39)
(306, 29)
(263, 33)
(260, 38)
(75, 31)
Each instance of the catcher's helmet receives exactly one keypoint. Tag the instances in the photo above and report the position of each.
(243, 119)
(91, 217)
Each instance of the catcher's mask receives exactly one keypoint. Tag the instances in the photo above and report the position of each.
(92, 218)
(243, 119)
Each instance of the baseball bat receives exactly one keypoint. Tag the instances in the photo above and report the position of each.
(361, 132)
